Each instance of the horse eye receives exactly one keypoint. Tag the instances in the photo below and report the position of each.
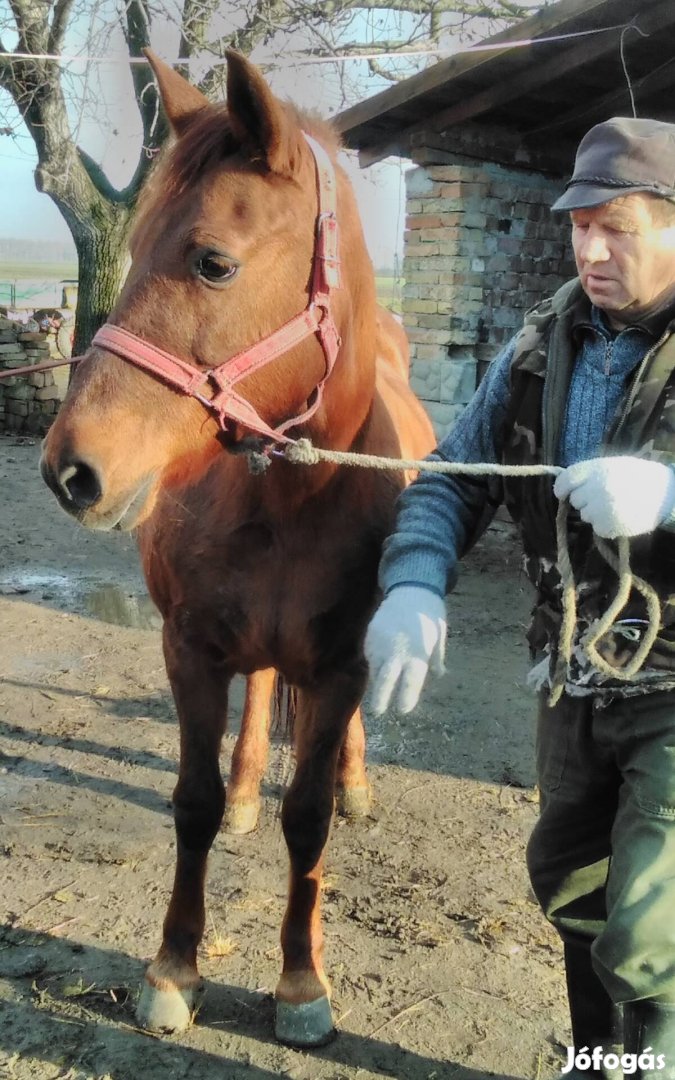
(214, 268)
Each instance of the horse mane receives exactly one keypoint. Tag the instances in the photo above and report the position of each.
(316, 125)
(208, 142)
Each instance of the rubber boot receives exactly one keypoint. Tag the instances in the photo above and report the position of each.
(649, 1035)
(592, 1013)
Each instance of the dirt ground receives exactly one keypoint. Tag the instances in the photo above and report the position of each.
(441, 964)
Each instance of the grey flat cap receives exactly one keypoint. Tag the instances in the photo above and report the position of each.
(620, 157)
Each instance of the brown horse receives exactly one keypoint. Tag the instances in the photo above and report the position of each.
(237, 236)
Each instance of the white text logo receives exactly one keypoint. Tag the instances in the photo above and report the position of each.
(597, 1059)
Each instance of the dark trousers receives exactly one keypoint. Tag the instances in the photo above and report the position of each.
(602, 855)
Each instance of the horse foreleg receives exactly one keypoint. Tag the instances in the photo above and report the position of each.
(352, 790)
(249, 758)
(172, 984)
(303, 1016)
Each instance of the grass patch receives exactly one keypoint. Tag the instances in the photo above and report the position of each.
(33, 284)
(37, 271)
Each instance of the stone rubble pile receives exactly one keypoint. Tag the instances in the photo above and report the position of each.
(28, 403)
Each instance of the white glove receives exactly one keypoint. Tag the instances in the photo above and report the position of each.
(619, 496)
(406, 635)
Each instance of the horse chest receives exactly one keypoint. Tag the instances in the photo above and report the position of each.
(270, 596)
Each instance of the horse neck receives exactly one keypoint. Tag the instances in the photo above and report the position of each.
(349, 391)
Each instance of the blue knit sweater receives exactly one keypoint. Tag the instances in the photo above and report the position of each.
(437, 513)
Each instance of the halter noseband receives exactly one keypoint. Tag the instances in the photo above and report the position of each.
(227, 405)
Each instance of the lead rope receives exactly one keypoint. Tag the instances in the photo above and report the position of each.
(302, 452)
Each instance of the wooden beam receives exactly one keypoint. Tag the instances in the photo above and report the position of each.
(370, 155)
(473, 142)
(538, 74)
(663, 78)
(481, 142)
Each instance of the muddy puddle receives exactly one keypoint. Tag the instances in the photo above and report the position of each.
(125, 604)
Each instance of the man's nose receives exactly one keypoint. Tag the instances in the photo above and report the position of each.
(595, 248)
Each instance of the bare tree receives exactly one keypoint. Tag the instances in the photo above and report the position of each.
(40, 92)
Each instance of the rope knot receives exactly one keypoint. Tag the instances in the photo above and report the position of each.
(301, 452)
(258, 463)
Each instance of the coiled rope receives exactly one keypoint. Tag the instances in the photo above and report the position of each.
(302, 452)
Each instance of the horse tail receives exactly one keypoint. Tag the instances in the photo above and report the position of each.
(284, 708)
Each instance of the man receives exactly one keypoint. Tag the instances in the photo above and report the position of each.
(588, 384)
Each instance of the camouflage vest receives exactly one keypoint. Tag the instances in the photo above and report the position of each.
(540, 377)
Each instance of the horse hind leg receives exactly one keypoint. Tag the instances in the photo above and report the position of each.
(249, 758)
(352, 788)
(172, 986)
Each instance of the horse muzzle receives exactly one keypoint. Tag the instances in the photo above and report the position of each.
(78, 488)
(76, 484)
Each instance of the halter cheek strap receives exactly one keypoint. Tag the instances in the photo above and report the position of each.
(225, 403)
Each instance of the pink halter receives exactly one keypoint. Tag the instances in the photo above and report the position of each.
(226, 404)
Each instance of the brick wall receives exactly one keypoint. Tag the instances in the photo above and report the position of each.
(27, 403)
(481, 247)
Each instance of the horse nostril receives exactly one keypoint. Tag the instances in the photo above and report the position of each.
(80, 484)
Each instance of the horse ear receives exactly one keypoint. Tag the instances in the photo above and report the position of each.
(257, 117)
(180, 99)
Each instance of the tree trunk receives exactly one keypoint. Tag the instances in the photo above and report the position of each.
(102, 259)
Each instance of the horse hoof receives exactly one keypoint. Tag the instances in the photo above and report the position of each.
(307, 1024)
(241, 818)
(353, 802)
(168, 1011)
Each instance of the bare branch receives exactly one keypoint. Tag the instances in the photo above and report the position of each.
(98, 177)
(498, 9)
(259, 25)
(137, 33)
(386, 73)
(357, 48)
(32, 24)
(62, 10)
(197, 15)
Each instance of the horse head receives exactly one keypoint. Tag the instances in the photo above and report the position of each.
(226, 249)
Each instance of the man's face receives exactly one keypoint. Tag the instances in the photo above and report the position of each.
(625, 259)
